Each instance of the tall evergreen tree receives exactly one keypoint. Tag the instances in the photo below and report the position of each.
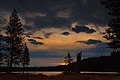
(15, 40)
(25, 56)
(113, 32)
(1, 48)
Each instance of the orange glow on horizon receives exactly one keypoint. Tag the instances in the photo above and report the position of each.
(62, 63)
(57, 41)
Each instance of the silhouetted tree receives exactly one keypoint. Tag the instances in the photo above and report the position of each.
(15, 40)
(68, 60)
(1, 48)
(79, 61)
(25, 59)
(25, 56)
(113, 32)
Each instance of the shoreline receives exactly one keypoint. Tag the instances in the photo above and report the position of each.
(85, 76)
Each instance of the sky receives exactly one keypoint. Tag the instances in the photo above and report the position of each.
(55, 27)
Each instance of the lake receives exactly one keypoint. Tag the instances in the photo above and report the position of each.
(42, 72)
(60, 72)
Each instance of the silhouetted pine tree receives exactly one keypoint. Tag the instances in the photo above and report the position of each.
(113, 32)
(1, 48)
(25, 56)
(15, 40)
(1, 56)
(68, 59)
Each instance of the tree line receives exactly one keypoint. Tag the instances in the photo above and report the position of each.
(13, 48)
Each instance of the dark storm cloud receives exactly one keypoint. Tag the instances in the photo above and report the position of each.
(51, 21)
(36, 43)
(66, 33)
(85, 29)
(3, 22)
(54, 13)
(38, 37)
(90, 41)
(32, 41)
(28, 34)
(28, 27)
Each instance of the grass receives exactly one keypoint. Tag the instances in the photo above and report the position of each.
(16, 76)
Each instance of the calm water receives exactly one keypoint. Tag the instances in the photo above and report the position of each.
(100, 72)
(59, 72)
(41, 72)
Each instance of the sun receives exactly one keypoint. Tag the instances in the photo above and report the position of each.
(62, 63)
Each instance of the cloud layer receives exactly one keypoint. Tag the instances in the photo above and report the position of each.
(90, 41)
(79, 29)
(53, 13)
(54, 27)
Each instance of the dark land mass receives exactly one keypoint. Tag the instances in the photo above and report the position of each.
(97, 64)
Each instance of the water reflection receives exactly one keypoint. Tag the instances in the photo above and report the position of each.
(44, 73)
(60, 72)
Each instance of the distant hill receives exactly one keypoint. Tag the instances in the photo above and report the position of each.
(102, 63)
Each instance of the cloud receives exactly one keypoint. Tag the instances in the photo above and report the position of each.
(28, 27)
(74, 23)
(37, 43)
(64, 13)
(47, 35)
(32, 41)
(28, 34)
(66, 33)
(35, 14)
(84, 1)
(3, 22)
(38, 37)
(57, 17)
(58, 41)
(90, 41)
(85, 29)
(57, 13)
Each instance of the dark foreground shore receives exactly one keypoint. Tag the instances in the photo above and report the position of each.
(16, 76)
